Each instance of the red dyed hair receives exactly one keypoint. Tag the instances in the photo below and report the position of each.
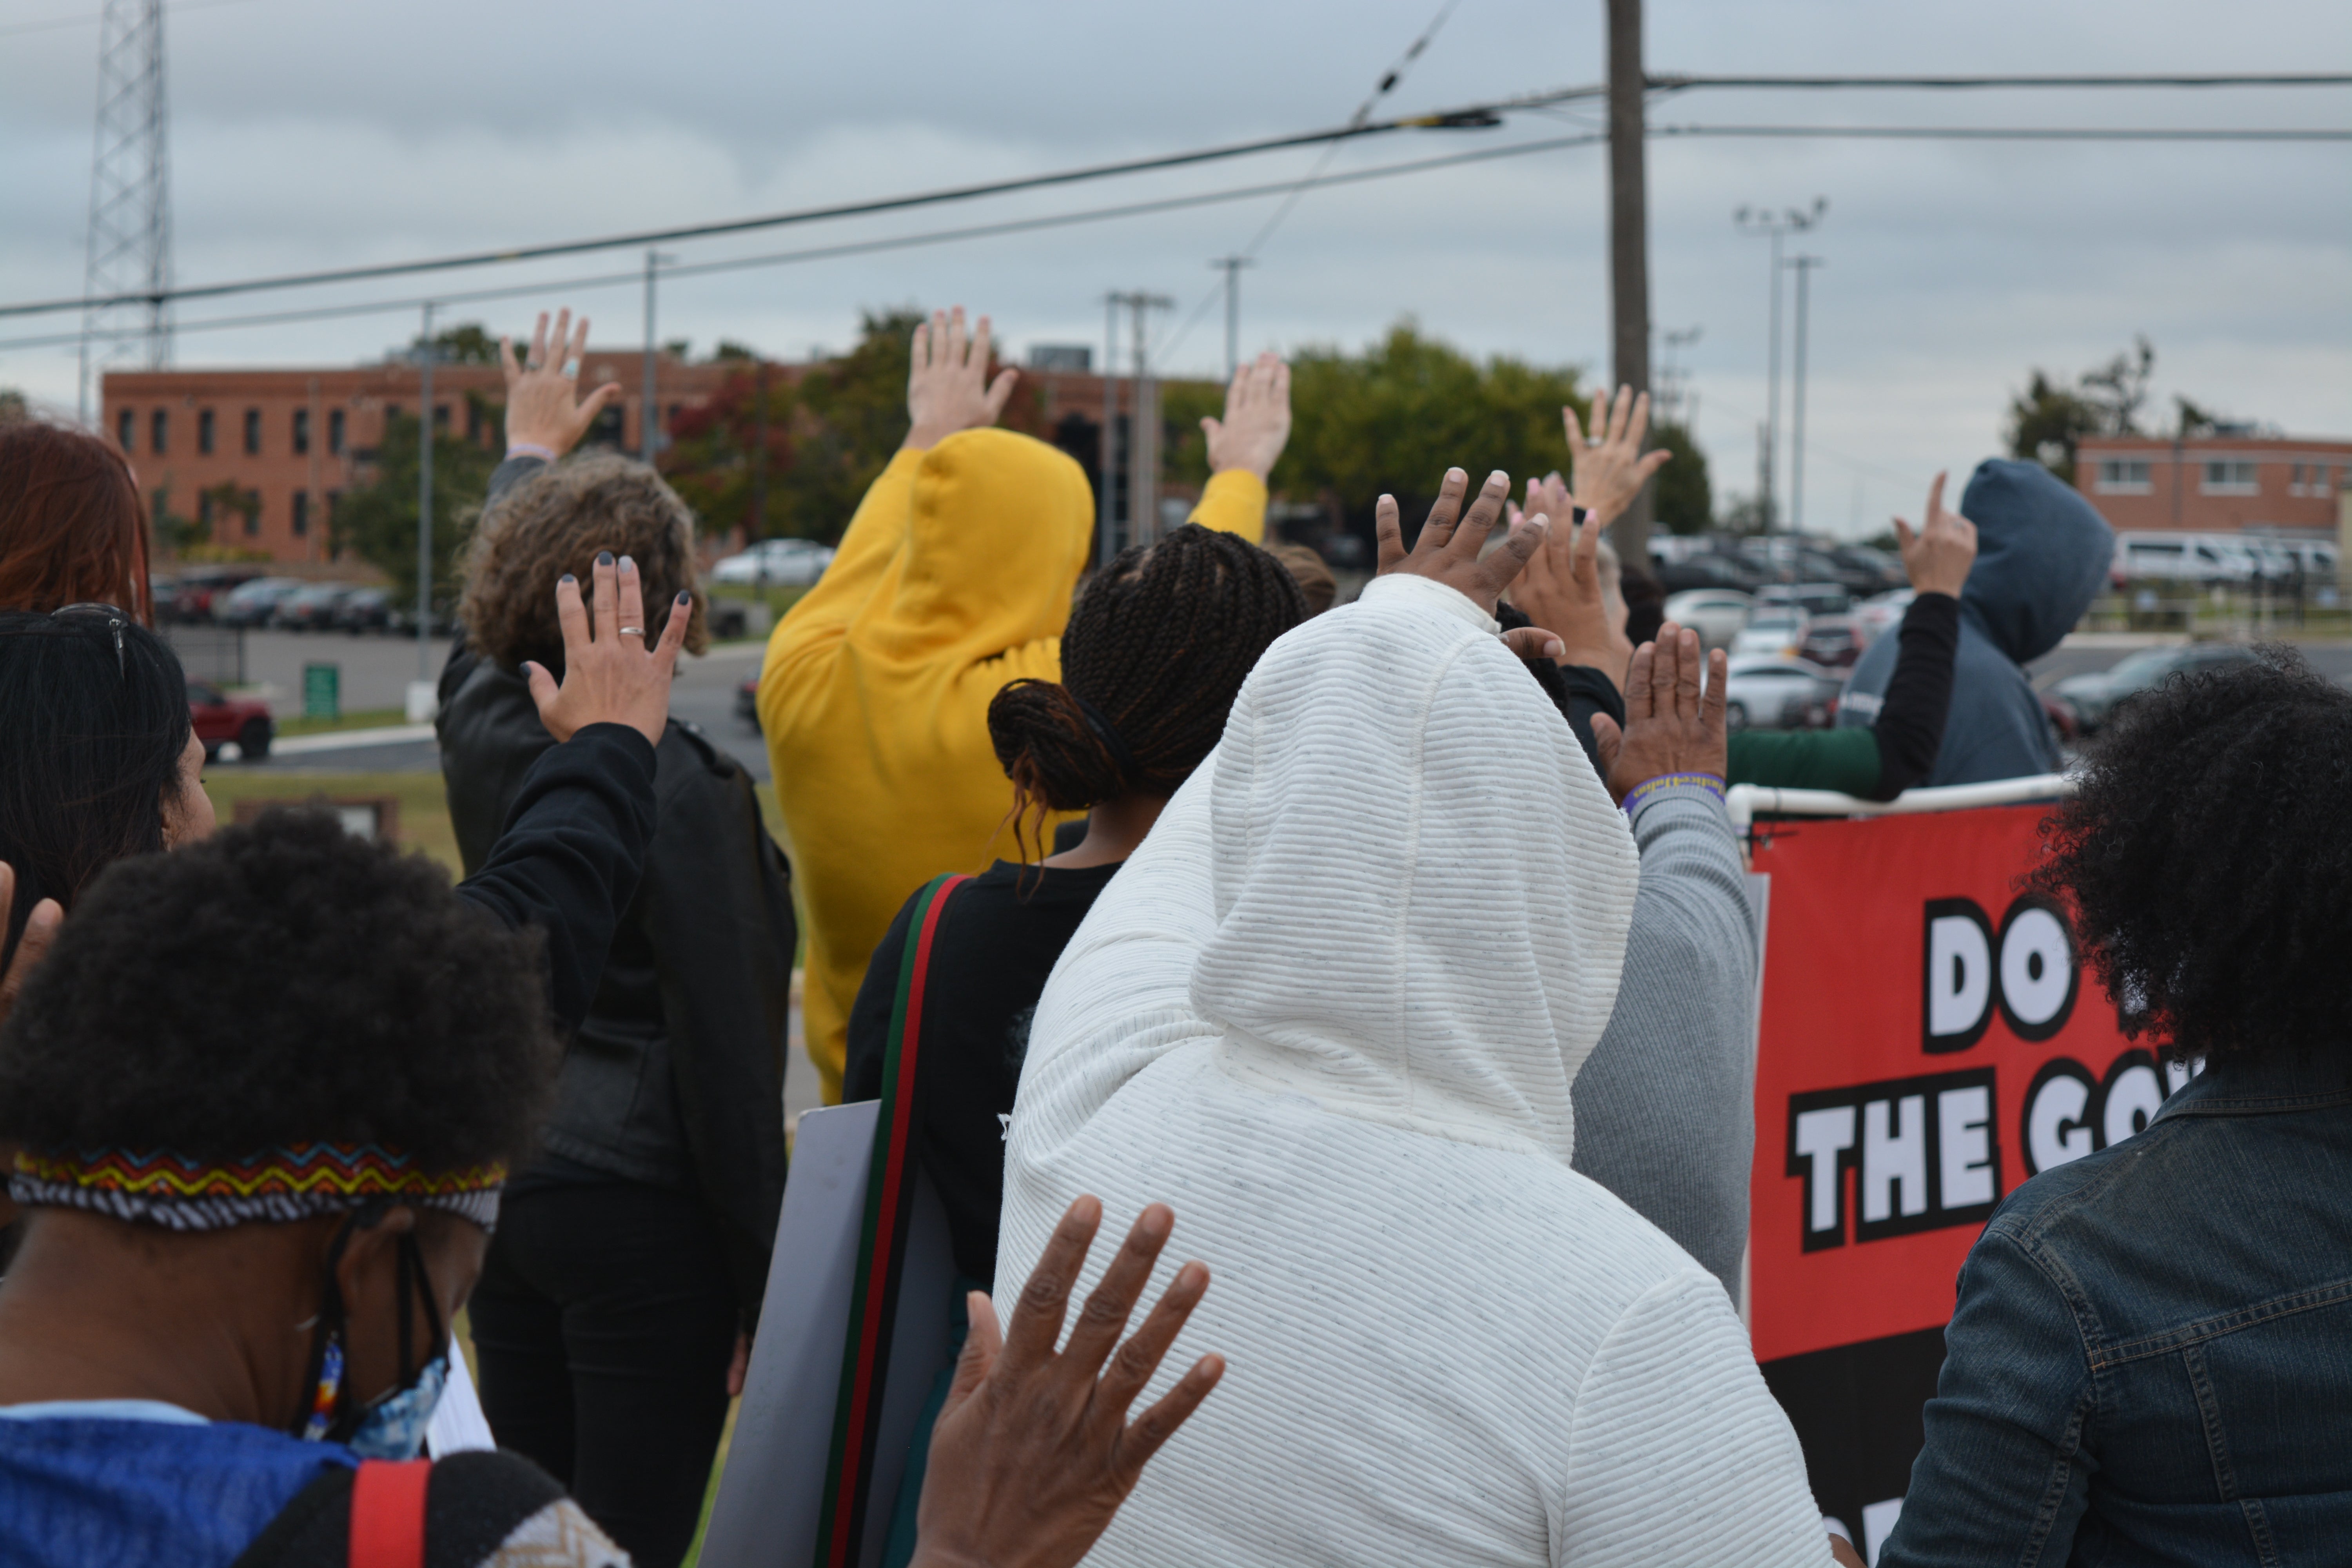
(73, 527)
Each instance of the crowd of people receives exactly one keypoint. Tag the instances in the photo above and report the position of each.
(1402, 947)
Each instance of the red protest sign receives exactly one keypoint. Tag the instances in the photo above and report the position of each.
(1927, 1041)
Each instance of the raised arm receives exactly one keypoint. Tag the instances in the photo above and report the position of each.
(1910, 727)
(1244, 448)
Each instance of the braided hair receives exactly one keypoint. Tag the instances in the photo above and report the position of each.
(1156, 649)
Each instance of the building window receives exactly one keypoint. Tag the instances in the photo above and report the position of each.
(159, 431)
(204, 431)
(334, 503)
(2310, 479)
(205, 508)
(126, 430)
(253, 432)
(2230, 478)
(335, 431)
(2122, 476)
(301, 513)
(440, 419)
(253, 512)
(391, 419)
(302, 434)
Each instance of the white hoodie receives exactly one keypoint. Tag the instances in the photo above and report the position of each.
(1329, 1013)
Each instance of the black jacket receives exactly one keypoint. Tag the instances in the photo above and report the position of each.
(674, 1076)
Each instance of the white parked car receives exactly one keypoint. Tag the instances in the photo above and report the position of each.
(785, 563)
(1766, 693)
(1882, 613)
(1717, 615)
(1773, 630)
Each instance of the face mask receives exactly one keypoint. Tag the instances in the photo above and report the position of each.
(393, 1427)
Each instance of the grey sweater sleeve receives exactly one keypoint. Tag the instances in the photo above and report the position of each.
(1663, 1117)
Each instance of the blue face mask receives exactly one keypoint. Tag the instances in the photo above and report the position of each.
(393, 1427)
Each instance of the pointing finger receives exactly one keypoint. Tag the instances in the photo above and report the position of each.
(604, 606)
(1387, 535)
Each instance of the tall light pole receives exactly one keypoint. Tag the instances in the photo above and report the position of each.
(425, 357)
(129, 246)
(1233, 266)
(1803, 267)
(1629, 242)
(1764, 221)
(1108, 466)
(648, 413)
(1143, 422)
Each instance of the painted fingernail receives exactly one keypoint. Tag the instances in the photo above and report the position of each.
(629, 563)
(604, 558)
(567, 577)
(685, 597)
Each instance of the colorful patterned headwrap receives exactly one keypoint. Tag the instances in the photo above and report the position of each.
(287, 1183)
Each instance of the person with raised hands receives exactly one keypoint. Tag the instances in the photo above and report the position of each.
(615, 1310)
(1338, 999)
(954, 578)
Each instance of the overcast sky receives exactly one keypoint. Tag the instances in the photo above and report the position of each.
(308, 134)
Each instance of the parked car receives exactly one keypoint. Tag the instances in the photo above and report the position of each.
(785, 563)
(364, 610)
(251, 604)
(1707, 570)
(2097, 697)
(1770, 693)
(1834, 642)
(195, 591)
(1771, 630)
(1882, 613)
(1717, 615)
(1814, 598)
(310, 608)
(220, 717)
(2185, 557)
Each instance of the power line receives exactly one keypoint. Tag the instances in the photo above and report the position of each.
(854, 247)
(1478, 116)
(2003, 133)
(1474, 116)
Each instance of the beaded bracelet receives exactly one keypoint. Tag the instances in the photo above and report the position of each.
(1648, 787)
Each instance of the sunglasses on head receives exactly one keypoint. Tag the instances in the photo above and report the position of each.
(115, 619)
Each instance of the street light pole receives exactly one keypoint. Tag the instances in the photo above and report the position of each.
(425, 501)
(1233, 266)
(1108, 465)
(1629, 243)
(1759, 220)
(648, 417)
(1803, 266)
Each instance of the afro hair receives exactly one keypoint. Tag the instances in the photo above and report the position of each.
(2208, 859)
(281, 983)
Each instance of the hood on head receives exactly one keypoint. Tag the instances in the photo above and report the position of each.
(1000, 530)
(2043, 555)
(1421, 889)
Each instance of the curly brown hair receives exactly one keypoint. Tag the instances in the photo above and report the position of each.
(555, 523)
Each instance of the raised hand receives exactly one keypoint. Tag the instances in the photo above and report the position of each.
(1033, 1452)
(1449, 552)
(610, 676)
(1669, 726)
(1937, 557)
(948, 387)
(544, 409)
(1257, 424)
(1561, 589)
(1609, 472)
(41, 930)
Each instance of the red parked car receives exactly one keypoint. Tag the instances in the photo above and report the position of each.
(221, 718)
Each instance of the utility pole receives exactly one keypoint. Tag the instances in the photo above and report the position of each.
(129, 246)
(425, 357)
(1108, 467)
(1629, 242)
(1763, 221)
(1233, 266)
(649, 412)
(1803, 266)
(1142, 418)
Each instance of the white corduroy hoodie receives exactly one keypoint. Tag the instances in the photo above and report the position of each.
(1330, 1012)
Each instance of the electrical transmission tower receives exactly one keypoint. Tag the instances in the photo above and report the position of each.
(130, 197)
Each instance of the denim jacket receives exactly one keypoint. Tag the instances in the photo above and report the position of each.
(2151, 1358)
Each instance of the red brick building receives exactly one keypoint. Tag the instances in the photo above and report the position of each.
(2275, 485)
(293, 441)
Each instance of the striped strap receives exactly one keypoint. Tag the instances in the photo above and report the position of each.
(890, 1193)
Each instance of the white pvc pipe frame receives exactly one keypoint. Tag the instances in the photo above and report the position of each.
(1748, 802)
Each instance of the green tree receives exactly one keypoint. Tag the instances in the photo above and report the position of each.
(2048, 421)
(1396, 416)
(1684, 499)
(469, 342)
(12, 405)
(716, 451)
(377, 522)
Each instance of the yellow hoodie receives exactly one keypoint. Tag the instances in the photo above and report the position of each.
(954, 577)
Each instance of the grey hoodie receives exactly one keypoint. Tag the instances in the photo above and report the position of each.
(2042, 556)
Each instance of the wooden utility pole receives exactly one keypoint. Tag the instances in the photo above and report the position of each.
(1629, 246)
